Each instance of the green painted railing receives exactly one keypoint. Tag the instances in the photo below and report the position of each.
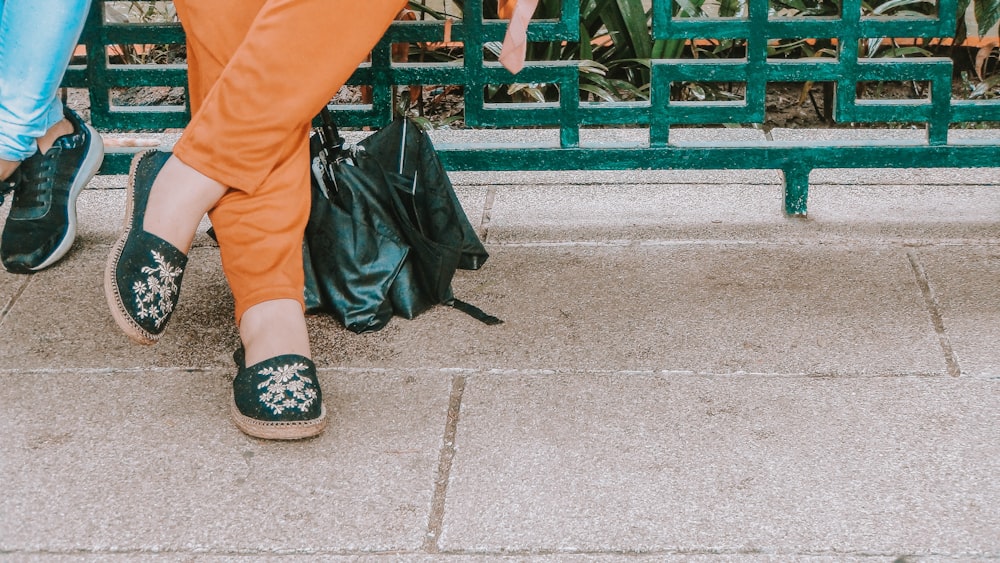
(937, 112)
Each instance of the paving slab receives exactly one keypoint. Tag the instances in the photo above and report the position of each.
(630, 557)
(689, 307)
(61, 319)
(10, 287)
(738, 211)
(148, 462)
(731, 465)
(968, 295)
(716, 307)
(910, 214)
(728, 308)
(635, 211)
(683, 374)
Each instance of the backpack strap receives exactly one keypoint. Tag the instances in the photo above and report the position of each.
(473, 311)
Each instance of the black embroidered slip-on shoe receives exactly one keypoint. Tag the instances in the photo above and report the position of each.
(278, 399)
(142, 280)
(41, 226)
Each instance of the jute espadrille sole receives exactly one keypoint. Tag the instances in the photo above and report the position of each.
(115, 303)
(292, 430)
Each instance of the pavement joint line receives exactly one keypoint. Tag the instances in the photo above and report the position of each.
(109, 370)
(484, 222)
(502, 553)
(470, 373)
(991, 377)
(880, 555)
(558, 182)
(860, 183)
(510, 553)
(952, 242)
(435, 520)
(698, 374)
(832, 244)
(13, 299)
(923, 281)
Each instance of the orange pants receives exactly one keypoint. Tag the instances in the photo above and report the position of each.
(258, 72)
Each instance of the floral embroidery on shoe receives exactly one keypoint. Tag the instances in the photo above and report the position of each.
(285, 388)
(154, 298)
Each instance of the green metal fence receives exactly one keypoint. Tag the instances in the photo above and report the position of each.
(936, 112)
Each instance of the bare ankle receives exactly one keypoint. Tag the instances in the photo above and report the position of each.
(178, 200)
(7, 168)
(274, 328)
(45, 142)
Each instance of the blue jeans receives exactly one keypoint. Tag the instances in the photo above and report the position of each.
(37, 39)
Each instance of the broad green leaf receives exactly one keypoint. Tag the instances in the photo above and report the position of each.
(592, 67)
(668, 48)
(600, 93)
(961, 31)
(615, 88)
(906, 51)
(987, 14)
(532, 91)
(637, 25)
(586, 48)
(623, 86)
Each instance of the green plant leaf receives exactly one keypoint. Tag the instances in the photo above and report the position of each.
(987, 14)
(892, 7)
(534, 92)
(730, 8)
(592, 67)
(961, 29)
(689, 8)
(905, 51)
(637, 26)
(600, 93)
(586, 47)
(616, 89)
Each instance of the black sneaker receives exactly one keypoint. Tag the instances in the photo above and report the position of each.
(142, 281)
(41, 225)
(278, 399)
(10, 184)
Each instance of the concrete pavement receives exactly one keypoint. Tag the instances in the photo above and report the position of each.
(683, 374)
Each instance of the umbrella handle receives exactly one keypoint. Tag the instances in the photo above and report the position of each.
(331, 137)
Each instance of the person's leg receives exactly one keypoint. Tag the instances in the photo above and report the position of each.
(37, 39)
(53, 152)
(253, 94)
(167, 198)
(44, 143)
(250, 131)
(258, 111)
(182, 194)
